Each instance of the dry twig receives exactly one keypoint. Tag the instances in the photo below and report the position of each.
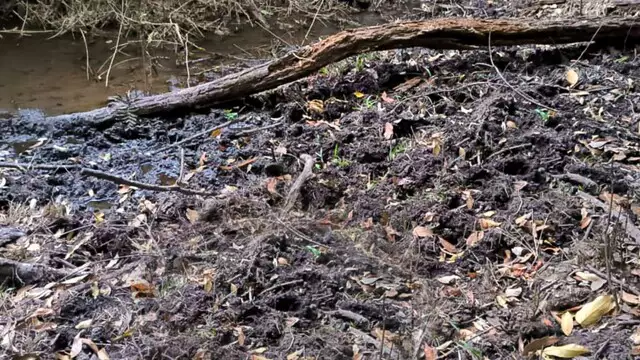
(306, 173)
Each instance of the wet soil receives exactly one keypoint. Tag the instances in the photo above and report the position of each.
(437, 219)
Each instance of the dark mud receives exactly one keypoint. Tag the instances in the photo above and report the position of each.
(468, 157)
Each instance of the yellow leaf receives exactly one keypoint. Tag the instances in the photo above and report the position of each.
(488, 224)
(422, 231)
(358, 94)
(234, 289)
(593, 311)
(316, 106)
(462, 153)
(572, 77)
(84, 324)
(215, 133)
(568, 351)
(567, 323)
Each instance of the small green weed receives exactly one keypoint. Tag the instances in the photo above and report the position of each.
(230, 114)
(397, 149)
(337, 160)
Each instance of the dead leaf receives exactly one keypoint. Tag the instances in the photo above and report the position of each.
(316, 106)
(488, 224)
(512, 125)
(539, 344)
(591, 313)
(422, 231)
(448, 280)
(193, 216)
(522, 220)
(234, 289)
(407, 85)
(283, 261)
(142, 288)
(386, 98)
(76, 346)
(447, 246)
(391, 233)
(430, 353)
(103, 355)
(388, 130)
(241, 336)
(568, 351)
(567, 323)
(513, 292)
(630, 298)
(84, 324)
(469, 199)
(572, 77)
(475, 238)
(367, 224)
(271, 185)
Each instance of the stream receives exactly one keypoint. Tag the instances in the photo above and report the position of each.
(51, 74)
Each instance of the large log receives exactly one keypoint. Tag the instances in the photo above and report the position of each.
(435, 34)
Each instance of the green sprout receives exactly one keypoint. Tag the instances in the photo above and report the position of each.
(230, 114)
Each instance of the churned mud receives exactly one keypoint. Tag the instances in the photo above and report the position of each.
(459, 206)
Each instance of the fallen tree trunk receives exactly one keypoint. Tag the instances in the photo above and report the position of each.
(435, 34)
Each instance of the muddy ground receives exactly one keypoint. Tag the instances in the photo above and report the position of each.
(448, 213)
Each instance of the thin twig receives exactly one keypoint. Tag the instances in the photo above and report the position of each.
(293, 282)
(115, 50)
(602, 275)
(527, 97)
(306, 173)
(255, 130)
(312, 23)
(105, 176)
(86, 50)
(200, 134)
(516, 147)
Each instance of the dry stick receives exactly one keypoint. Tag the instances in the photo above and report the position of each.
(255, 130)
(115, 50)
(105, 176)
(521, 146)
(631, 229)
(602, 275)
(202, 133)
(27, 273)
(297, 185)
(86, 50)
(293, 282)
(527, 97)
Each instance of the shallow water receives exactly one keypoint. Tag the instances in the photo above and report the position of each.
(52, 75)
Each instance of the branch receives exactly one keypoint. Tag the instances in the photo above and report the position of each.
(104, 176)
(14, 272)
(306, 173)
(439, 34)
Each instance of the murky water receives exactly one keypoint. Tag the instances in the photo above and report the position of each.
(52, 74)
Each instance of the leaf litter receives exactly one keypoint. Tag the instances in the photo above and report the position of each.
(443, 248)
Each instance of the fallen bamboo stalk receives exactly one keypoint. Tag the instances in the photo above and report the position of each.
(440, 34)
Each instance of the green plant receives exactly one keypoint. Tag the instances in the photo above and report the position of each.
(397, 149)
(230, 114)
(337, 160)
(543, 114)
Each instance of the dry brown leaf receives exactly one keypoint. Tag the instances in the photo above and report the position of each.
(422, 231)
(430, 353)
(407, 85)
(142, 288)
(512, 125)
(469, 198)
(241, 337)
(385, 98)
(388, 130)
(572, 77)
(447, 246)
(193, 216)
(391, 233)
(367, 224)
(567, 323)
(102, 354)
(630, 298)
(475, 238)
(539, 344)
(568, 351)
(84, 324)
(271, 185)
(591, 313)
(522, 220)
(488, 223)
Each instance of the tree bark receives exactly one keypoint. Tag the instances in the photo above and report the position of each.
(435, 34)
